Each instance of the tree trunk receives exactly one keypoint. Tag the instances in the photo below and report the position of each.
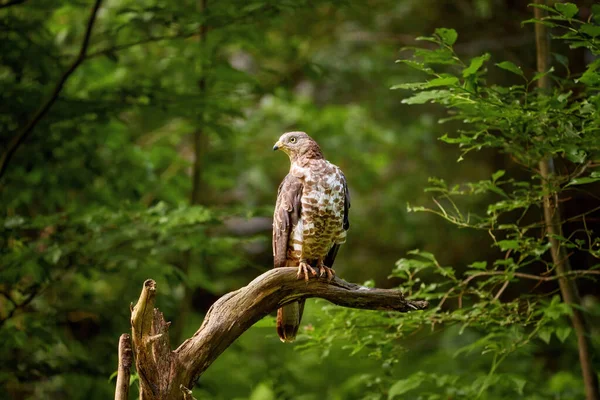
(553, 220)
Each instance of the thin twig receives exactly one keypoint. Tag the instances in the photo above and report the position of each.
(502, 289)
(21, 136)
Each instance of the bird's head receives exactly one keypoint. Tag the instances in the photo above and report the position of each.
(297, 145)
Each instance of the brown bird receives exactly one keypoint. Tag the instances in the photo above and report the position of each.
(310, 220)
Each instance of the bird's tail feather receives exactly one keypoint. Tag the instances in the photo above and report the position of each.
(288, 320)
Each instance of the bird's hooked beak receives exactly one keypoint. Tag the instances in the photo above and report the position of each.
(277, 146)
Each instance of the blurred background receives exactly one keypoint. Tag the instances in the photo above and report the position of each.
(155, 161)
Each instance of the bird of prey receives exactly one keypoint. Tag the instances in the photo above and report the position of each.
(310, 220)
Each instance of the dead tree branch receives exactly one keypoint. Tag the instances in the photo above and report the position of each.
(169, 374)
(124, 371)
(20, 137)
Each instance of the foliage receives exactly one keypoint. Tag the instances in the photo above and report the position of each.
(97, 199)
(527, 125)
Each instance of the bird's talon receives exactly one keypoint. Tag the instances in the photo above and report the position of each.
(324, 270)
(330, 274)
(303, 269)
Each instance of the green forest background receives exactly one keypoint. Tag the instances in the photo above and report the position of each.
(155, 161)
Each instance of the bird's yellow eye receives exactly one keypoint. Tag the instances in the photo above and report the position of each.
(292, 140)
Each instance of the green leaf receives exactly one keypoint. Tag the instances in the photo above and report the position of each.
(416, 65)
(444, 81)
(509, 245)
(596, 13)
(405, 385)
(263, 392)
(563, 333)
(545, 334)
(410, 86)
(497, 175)
(53, 255)
(425, 254)
(540, 75)
(448, 36)
(443, 56)
(509, 66)
(590, 77)
(476, 63)
(575, 155)
(569, 10)
(426, 96)
(594, 177)
(564, 61)
(479, 265)
(539, 21)
(519, 382)
(544, 7)
(582, 181)
(427, 39)
(590, 29)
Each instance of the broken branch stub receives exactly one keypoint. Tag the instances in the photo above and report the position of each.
(124, 368)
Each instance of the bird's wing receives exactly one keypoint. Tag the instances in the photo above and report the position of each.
(287, 214)
(330, 258)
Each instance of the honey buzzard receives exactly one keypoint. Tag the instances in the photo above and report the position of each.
(310, 220)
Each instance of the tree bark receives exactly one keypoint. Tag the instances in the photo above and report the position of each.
(552, 217)
(124, 370)
(170, 374)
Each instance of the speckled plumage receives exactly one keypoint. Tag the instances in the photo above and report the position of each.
(310, 219)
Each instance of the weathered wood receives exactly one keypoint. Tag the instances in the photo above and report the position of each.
(166, 374)
(124, 369)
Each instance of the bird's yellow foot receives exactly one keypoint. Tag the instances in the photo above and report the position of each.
(324, 270)
(304, 269)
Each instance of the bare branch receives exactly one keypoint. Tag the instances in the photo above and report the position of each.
(166, 374)
(124, 371)
(16, 307)
(20, 137)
